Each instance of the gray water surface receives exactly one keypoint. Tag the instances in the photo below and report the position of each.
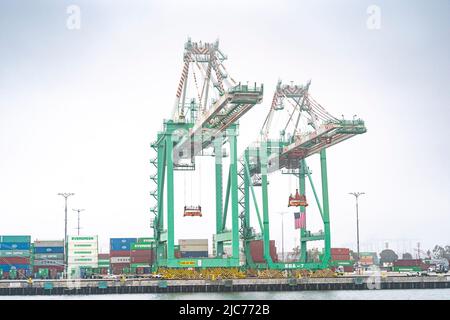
(409, 294)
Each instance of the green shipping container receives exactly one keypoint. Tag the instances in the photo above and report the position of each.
(139, 265)
(43, 272)
(49, 256)
(146, 240)
(407, 269)
(16, 239)
(14, 253)
(343, 263)
(141, 246)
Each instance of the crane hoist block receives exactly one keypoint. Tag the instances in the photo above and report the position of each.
(297, 200)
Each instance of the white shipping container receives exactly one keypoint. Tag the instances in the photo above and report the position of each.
(120, 260)
(82, 259)
(193, 248)
(82, 252)
(82, 245)
(81, 239)
(48, 243)
(193, 242)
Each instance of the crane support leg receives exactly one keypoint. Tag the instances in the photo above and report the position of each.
(326, 212)
(219, 195)
(302, 187)
(265, 201)
(170, 200)
(234, 192)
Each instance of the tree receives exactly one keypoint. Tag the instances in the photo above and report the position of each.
(407, 256)
(388, 255)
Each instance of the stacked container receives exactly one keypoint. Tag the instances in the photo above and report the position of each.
(120, 254)
(257, 251)
(141, 255)
(82, 255)
(404, 265)
(193, 248)
(341, 257)
(15, 256)
(104, 265)
(368, 258)
(48, 258)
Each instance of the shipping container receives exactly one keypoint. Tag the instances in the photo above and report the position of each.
(103, 256)
(342, 263)
(83, 239)
(82, 246)
(340, 251)
(48, 256)
(104, 261)
(82, 259)
(186, 248)
(81, 252)
(366, 260)
(140, 265)
(8, 267)
(408, 263)
(15, 260)
(59, 268)
(194, 254)
(120, 253)
(48, 263)
(48, 243)
(119, 268)
(193, 242)
(406, 269)
(115, 260)
(14, 253)
(145, 240)
(15, 239)
(49, 250)
(141, 246)
(15, 246)
(257, 251)
(121, 243)
(142, 253)
(120, 247)
(340, 257)
(147, 259)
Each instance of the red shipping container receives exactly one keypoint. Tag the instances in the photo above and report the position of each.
(340, 257)
(118, 268)
(257, 251)
(141, 253)
(340, 251)
(408, 263)
(103, 256)
(141, 260)
(120, 253)
(14, 260)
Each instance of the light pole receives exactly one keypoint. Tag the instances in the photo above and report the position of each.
(65, 195)
(282, 233)
(78, 210)
(357, 194)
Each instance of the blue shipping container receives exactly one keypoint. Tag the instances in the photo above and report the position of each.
(7, 267)
(122, 240)
(119, 244)
(49, 250)
(120, 247)
(194, 254)
(14, 246)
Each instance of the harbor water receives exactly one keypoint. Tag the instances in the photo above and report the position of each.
(410, 294)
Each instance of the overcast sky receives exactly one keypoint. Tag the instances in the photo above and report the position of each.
(79, 108)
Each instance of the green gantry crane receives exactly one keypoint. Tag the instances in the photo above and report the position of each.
(209, 121)
(307, 129)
